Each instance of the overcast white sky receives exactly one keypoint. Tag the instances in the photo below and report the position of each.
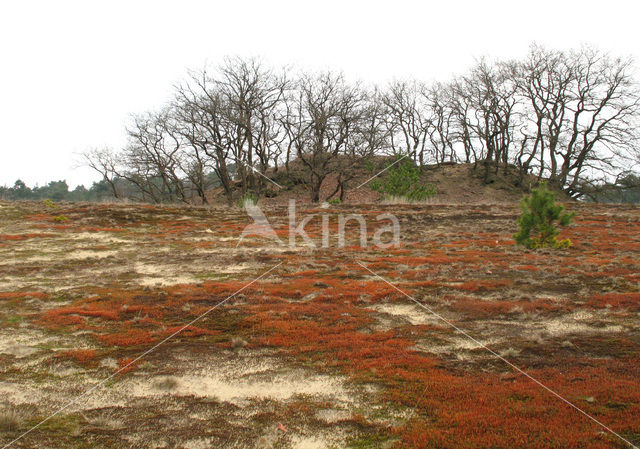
(72, 72)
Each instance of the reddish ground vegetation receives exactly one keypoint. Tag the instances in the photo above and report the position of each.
(457, 406)
(130, 337)
(486, 308)
(125, 365)
(17, 295)
(18, 237)
(629, 300)
(85, 357)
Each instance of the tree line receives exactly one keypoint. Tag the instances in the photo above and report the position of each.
(56, 191)
(570, 117)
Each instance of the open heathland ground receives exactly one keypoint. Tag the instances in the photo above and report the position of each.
(320, 352)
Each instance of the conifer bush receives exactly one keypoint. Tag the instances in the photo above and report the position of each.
(403, 181)
(539, 220)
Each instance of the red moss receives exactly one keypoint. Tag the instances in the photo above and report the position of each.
(61, 226)
(17, 237)
(130, 337)
(38, 217)
(100, 229)
(484, 308)
(61, 316)
(15, 295)
(629, 300)
(460, 408)
(527, 268)
(191, 331)
(125, 365)
(85, 357)
(474, 286)
(434, 259)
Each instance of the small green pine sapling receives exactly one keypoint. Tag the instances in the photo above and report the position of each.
(403, 180)
(540, 214)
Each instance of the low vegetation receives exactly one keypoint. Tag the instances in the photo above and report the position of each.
(9, 420)
(403, 180)
(319, 352)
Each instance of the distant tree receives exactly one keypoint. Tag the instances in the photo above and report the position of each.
(407, 119)
(624, 189)
(442, 132)
(54, 190)
(100, 190)
(80, 193)
(253, 95)
(572, 117)
(105, 162)
(154, 158)
(369, 137)
(582, 115)
(20, 191)
(199, 109)
(489, 93)
(323, 115)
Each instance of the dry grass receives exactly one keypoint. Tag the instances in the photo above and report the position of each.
(238, 343)
(10, 420)
(104, 420)
(403, 200)
(165, 384)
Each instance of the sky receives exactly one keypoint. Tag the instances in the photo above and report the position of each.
(72, 73)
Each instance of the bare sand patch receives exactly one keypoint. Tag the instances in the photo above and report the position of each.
(410, 312)
(23, 343)
(331, 416)
(102, 238)
(279, 386)
(79, 254)
(314, 442)
(164, 275)
(580, 321)
(160, 275)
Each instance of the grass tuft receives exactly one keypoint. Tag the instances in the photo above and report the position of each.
(10, 420)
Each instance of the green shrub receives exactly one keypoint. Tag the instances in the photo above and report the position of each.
(249, 198)
(369, 165)
(334, 201)
(540, 214)
(48, 203)
(60, 218)
(403, 180)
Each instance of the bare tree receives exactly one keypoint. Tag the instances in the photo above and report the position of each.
(194, 164)
(369, 137)
(253, 96)
(408, 123)
(321, 119)
(105, 162)
(461, 113)
(200, 112)
(581, 116)
(488, 96)
(441, 117)
(543, 80)
(572, 117)
(603, 118)
(153, 154)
